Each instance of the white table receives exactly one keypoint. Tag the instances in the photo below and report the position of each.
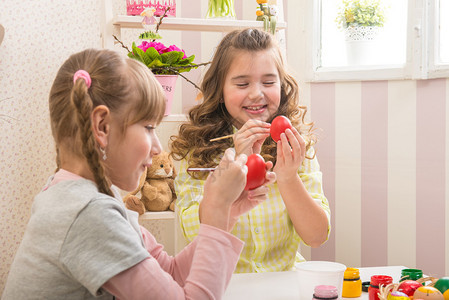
(284, 285)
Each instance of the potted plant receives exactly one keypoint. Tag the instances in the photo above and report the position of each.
(361, 21)
(361, 15)
(166, 62)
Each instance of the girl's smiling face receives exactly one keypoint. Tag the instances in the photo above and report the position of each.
(252, 88)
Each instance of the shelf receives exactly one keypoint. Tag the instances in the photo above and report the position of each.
(193, 24)
(158, 215)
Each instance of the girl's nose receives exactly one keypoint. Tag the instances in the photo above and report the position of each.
(156, 147)
(255, 92)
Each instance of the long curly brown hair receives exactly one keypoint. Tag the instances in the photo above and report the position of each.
(210, 119)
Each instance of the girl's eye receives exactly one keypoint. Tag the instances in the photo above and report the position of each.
(150, 128)
(241, 84)
(269, 83)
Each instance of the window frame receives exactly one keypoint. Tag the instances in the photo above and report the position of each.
(435, 70)
(421, 49)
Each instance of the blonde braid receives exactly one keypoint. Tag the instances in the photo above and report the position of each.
(58, 160)
(82, 102)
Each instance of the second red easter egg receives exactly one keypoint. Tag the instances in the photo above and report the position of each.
(256, 171)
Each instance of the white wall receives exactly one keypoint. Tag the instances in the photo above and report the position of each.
(39, 36)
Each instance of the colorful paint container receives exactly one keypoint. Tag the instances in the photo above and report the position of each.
(352, 284)
(376, 281)
(325, 292)
(411, 274)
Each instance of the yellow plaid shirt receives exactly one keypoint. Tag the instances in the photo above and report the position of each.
(271, 242)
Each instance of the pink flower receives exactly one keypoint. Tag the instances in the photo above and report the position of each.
(158, 46)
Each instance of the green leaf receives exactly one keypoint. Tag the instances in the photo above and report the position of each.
(171, 57)
(142, 56)
(149, 35)
(361, 13)
(153, 54)
(156, 63)
(187, 61)
(134, 56)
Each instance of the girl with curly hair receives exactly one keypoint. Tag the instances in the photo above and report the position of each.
(244, 89)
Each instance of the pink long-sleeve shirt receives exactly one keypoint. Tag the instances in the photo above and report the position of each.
(202, 270)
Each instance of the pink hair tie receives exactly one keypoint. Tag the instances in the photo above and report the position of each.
(84, 75)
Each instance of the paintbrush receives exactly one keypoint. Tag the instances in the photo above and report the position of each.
(221, 138)
(200, 169)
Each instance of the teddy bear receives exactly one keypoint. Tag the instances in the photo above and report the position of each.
(156, 187)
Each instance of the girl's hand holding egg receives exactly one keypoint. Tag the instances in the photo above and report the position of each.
(291, 149)
(256, 190)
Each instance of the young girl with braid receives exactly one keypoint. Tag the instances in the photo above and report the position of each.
(81, 242)
(244, 89)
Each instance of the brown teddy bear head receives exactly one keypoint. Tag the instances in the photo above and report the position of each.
(161, 167)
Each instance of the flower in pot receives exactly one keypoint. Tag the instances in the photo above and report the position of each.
(162, 60)
(166, 62)
(361, 19)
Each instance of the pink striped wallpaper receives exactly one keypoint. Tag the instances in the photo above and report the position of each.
(374, 185)
(323, 96)
(190, 43)
(383, 199)
(430, 174)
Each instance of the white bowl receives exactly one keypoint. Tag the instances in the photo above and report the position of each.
(313, 273)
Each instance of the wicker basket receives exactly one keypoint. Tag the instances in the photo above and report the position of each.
(393, 287)
(135, 7)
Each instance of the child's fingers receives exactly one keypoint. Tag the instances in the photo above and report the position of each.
(249, 144)
(254, 128)
(257, 192)
(286, 149)
(252, 135)
(298, 136)
(293, 140)
(254, 123)
(229, 155)
(270, 178)
(241, 160)
(268, 165)
(257, 200)
(279, 156)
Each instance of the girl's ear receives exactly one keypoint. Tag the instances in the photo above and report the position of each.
(101, 124)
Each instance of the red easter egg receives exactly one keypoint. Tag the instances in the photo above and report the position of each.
(256, 171)
(278, 126)
(409, 287)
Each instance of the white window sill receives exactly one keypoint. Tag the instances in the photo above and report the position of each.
(359, 73)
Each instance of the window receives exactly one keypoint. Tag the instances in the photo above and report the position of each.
(412, 43)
